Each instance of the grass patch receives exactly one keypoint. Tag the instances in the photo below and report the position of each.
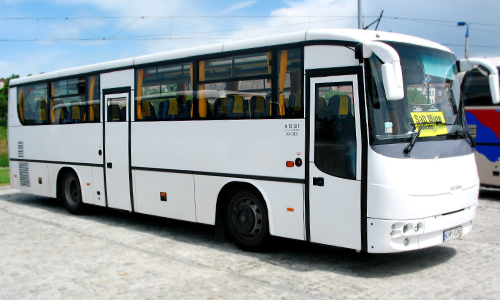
(4, 177)
(4, 148)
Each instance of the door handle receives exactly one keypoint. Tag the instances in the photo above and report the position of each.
(110, 165)
(99, 152)
(319, 181)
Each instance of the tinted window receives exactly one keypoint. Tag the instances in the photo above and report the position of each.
(241, 99)
(32, 104)
(335, 133)
(164, 93)
(75, 100)
(476, 89)
(290, 84)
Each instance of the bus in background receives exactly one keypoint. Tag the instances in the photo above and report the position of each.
(483, 119)
(327, 136)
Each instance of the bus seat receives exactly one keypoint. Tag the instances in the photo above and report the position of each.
(41, 112)
(210, 109)
(220, 107)
(259, 107)
(60, 112)
(295, 107)
(236, 107)
(322, 110)
(340, 105)
(148, 110)
(114, 113)
(75, 112)
(161, 110)
(185, 110)
(172, 109)
(97, 113)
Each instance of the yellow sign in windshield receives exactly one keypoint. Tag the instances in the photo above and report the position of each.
(429, 121)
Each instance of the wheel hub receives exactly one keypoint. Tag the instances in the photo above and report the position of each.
(247, 218)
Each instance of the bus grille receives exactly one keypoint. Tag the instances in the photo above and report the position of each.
(473, 131)
(24, 173)
(20, 149)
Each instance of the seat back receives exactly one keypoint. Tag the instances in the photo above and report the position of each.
(236, 107)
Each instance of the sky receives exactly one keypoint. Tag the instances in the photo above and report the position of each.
(39, 36)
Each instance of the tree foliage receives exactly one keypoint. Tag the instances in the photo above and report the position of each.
(415, 96)
(4, 96)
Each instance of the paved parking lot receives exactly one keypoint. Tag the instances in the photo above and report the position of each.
(46, 253)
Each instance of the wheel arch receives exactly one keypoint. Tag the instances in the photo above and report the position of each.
(60, 175)
(231, 187)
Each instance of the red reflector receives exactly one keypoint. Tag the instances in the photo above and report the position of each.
(163, 194)
(290, 164)
(289, 209)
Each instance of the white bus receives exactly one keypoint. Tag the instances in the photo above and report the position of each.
(326, 136)
(482, 118)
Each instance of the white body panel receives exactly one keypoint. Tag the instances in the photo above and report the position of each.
(84, 174)
(78, 143)
(43, 143)
(285, 203)
(395, 193)
(118, 79)
(98, 184)
(179, 189)
(256, 147)
(320, 57)
(394, 197)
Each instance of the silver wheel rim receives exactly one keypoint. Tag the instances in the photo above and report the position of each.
(247, 218)
(72, 191)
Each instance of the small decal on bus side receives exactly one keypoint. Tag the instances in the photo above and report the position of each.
(292, 129)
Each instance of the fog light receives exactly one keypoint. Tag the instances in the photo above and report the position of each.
(405, 242)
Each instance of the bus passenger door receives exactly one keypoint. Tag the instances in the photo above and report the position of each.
(116, 149)
(335, 162)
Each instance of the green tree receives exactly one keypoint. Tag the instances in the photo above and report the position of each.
(415, 96)
(4, 96)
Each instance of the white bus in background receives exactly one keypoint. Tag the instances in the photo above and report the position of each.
(326, 136)
(482, 118)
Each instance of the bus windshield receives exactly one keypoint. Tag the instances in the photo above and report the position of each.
(431, 106)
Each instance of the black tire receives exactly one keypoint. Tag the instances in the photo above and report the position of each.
(247, 221)
(71, 194)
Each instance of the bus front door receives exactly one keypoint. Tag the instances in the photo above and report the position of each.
(335, 162)
(116, 149)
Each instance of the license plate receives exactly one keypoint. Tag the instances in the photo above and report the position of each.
(452, 234)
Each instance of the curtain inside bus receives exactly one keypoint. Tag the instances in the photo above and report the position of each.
(202, 103)
(283, 64)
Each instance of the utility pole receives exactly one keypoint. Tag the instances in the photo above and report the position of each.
(466, 38)
(360, 15)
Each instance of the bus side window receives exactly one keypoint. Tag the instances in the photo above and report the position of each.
(335, 133)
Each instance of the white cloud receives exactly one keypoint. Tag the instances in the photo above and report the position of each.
(238, 6)
(303, 15)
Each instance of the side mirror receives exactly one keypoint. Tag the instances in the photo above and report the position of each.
(469, 63)
(392, 73)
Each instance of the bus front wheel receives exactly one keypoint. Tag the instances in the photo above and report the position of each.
(247, 221)
(72, 194)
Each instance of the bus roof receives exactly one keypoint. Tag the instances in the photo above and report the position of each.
(341, 35)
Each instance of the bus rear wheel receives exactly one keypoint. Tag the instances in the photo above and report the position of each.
(72, 194)
(247, 221)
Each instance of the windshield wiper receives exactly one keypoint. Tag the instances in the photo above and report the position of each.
(466, 135)
(409, 147)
